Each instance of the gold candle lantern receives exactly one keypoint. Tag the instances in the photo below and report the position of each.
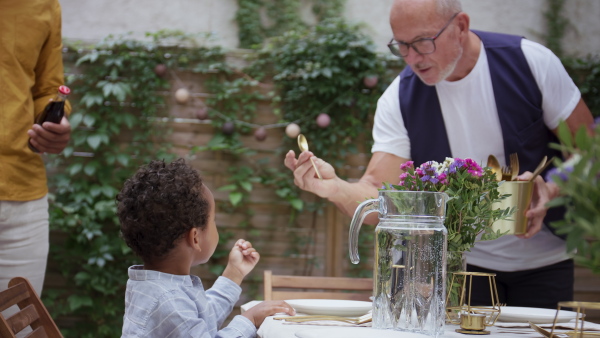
(579, 307)
(473, 319)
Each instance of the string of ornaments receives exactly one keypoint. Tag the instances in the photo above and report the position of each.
(292, 129)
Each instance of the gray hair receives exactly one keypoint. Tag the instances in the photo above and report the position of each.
(448, 7)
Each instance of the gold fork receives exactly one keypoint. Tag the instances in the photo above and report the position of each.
(298, 319)
(514, 165)
(506, 173)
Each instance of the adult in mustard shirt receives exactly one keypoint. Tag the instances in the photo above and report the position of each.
(31, 70)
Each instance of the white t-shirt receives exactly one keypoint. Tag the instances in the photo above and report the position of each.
(473, 128)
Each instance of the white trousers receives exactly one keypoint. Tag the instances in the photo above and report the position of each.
(24, 241)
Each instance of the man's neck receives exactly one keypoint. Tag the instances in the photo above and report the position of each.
(469, 58)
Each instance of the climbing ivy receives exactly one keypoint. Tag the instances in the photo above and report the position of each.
(556, 24)
(112, 136)
(279, 16)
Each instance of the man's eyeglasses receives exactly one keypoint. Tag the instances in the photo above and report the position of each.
(421, 46)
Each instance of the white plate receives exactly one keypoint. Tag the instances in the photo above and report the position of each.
(333, 307)
(515, 314)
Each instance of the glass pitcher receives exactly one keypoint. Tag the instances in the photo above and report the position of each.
(410, 259)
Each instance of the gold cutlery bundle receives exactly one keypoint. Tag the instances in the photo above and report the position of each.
(351, 320)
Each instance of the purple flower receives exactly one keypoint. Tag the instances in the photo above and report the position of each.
(561, 174)
(458, 163)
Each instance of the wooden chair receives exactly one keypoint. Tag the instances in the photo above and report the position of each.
(32, 312)
(331, 287)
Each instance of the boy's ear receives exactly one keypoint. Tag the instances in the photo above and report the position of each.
(193, 238)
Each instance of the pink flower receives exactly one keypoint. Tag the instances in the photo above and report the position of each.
(407, 164)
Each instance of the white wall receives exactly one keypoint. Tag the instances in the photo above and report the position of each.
(91, 20)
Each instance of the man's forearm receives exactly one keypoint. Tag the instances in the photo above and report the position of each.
(350, 195)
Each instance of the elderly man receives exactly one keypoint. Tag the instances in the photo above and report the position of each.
(470, 94)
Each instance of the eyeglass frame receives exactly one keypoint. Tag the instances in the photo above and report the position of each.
(396, 50)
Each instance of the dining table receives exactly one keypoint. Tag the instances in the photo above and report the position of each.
(272, 328)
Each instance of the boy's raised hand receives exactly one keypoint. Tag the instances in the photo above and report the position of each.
(258, 313)
(242, 259)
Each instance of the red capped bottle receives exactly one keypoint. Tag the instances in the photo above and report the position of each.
(55, 110)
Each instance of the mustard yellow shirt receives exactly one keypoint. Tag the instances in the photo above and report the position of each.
(31, 70)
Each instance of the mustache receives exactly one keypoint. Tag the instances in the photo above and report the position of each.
(422, 66)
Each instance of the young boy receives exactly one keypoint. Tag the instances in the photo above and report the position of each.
(168, 219)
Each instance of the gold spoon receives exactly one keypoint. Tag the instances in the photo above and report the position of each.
(540, 167)
(495, 165)
(303, 145)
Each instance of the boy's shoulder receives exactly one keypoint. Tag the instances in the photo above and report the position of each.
(155, 284)
(152, 296)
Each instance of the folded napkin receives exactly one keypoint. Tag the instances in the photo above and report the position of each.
(327, 323)
(363, 321)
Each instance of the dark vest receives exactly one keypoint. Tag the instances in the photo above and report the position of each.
(518, 100)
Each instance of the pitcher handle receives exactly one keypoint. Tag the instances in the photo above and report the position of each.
(361, 212)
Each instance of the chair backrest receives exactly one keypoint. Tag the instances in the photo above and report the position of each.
(330, 287)
(32, 312)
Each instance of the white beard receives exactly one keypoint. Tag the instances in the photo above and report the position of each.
(446, 72)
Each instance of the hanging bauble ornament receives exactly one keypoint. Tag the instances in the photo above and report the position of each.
(160, 70)
(260, 134)
(292, 130)
(370, 81)
(182, 95)
(228, 128)
(323, 120)
(202, 113)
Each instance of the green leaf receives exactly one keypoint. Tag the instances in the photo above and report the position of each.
(90, 169)
(582, 139)
(228, 187)
(75, 168)
(246, 186)
(94, 141)
(89, 120)
(564, 134)
(123, 159)
(78, 301)
(297, 204)
(235, 197)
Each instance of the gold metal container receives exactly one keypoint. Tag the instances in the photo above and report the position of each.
(472, 321)
(521, 192)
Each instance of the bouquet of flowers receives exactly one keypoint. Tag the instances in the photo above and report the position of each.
(471, 189)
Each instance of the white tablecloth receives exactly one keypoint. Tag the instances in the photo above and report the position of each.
(278, 329)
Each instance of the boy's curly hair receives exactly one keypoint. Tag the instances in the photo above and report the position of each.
(158, 205)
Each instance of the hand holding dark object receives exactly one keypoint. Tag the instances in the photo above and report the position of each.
(53, 113)
(258, 313)
(50, 137)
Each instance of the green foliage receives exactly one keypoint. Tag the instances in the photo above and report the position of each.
(248, 20)
(556, 23)
(338, 58)
(112, 136)
(322, 71)
(586, 74)
(472, 191)
(280, 16)
(579, 182)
